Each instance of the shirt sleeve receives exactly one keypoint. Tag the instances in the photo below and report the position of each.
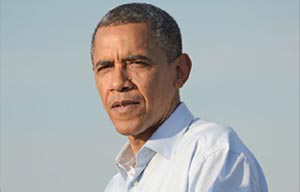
(226, 171)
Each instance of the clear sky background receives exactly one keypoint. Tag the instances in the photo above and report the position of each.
(55, 136)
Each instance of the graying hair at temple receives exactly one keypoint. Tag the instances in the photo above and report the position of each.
(164, 29)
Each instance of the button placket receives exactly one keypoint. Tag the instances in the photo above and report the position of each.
(135, 182)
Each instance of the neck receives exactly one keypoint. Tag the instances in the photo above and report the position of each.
(136, 144)
(137, 141)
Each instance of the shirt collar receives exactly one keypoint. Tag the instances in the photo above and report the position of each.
(164, 140)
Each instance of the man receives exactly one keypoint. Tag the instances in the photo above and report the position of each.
(139, 68)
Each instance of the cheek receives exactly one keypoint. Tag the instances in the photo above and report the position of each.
(163, 90)
(154, 88)
(145, 84)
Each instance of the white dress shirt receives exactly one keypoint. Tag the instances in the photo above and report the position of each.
(188, 154)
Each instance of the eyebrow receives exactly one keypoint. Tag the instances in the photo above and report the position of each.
(103, 63)
(126, 59)
(137, 57)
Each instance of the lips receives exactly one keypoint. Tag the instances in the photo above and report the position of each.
(124, 103)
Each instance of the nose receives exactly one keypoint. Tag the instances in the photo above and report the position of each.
(120, 81)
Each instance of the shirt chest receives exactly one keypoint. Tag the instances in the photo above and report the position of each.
(163, 174)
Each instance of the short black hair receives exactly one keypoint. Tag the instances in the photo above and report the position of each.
(163, 27)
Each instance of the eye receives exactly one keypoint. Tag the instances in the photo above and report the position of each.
(139, 63)
(103, 66)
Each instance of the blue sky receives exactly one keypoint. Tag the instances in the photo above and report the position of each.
(55, 136)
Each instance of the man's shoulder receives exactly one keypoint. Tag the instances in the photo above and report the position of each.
(201, 127)
(210, 137)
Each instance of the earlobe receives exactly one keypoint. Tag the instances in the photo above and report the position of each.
(183, 69)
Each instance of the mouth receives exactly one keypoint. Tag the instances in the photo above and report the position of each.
(124, 103)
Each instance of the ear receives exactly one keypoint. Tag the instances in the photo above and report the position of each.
(183, 68)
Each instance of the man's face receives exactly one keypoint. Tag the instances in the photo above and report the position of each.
(134, 80)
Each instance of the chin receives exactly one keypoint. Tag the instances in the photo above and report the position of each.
(128, 128)
(128, 131)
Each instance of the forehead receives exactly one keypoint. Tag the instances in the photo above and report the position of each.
(123, 39)
(132, 32)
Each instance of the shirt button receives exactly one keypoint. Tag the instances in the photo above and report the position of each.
(135, 183)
